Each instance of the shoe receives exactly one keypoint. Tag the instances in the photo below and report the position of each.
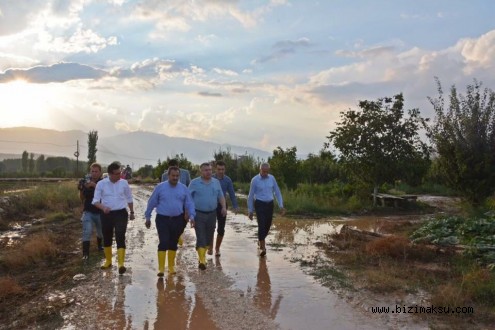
(263, 253)
(122, 270)
(217, 254)
(202, 266)
(160, 274)
(210, 252)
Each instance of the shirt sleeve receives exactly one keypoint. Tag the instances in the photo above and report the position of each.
(189, 204)
(278, 194)
(152, 203)
(230, 190)
(98, 190)
(128, 193)
(250, 201)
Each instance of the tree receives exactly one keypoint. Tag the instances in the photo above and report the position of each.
(377, 144)
(25, 161)
(463, 135)
(31, 163)
(285, 166)
(320, 168)
(92, 140)
(40, 164)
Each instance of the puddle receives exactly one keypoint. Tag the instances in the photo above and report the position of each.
(275, 285)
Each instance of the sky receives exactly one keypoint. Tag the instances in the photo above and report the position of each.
(261, 74)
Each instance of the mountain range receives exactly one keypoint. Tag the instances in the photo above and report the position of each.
(135, 148)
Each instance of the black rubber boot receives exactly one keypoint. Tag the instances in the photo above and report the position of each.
(85, 249)
(100, 243)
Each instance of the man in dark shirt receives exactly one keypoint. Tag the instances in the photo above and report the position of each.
(91, 214)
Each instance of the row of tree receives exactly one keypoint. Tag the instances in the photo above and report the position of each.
(376, 144)
(31, 165)
(382, 143)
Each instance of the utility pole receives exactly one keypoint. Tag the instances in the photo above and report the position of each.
(77, 159)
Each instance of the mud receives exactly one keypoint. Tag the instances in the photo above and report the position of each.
(238, 290)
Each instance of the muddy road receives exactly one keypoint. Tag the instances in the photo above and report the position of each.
(239, 290)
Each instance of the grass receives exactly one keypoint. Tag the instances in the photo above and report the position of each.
(43, 260)
(393, 265)
(9, 287)
(38, 247)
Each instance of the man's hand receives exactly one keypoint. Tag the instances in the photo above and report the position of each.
(106, 209)
(131, 216)
(282, 211)
(191, 221)
(147, 223)
(223, 211)
(250, 215)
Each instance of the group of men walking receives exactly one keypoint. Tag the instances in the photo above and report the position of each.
(178, 200)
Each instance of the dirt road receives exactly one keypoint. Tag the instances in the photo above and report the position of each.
(238, 290)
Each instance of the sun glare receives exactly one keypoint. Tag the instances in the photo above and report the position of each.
(24, 104)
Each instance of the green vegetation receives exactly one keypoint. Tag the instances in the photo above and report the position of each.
(477, 234)
(464, 137)
(377, 144)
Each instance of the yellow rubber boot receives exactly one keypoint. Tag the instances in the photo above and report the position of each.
(181, 240)
(161, 262)
(120, 260)
(171, 261)
(202, 258)
(108, 257)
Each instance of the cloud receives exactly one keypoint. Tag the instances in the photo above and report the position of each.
(60, 72)
(479, 53)
(209, 94)
(81, 41)
(282, 49)
(369, 52)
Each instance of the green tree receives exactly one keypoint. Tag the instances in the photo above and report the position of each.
(463, 135)
(247, 167)
(285, 166)
(31, 163)
(25, 161)
(92, 140)
(320, 168)
(378, 144)
(145, 172)
(40, 164)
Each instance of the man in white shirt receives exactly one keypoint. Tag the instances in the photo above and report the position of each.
(113, 196)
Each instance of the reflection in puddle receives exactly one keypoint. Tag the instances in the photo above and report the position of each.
(279, 288)
(112, 314)
(263, 292)
(176, 309)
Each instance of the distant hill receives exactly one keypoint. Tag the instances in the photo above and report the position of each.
(135, 148)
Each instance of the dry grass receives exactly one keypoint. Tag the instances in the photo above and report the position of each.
(38, 247)
(9, 287)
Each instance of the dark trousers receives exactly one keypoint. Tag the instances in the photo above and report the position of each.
(169, 230)
(221, 220)
(264, 216)
(114, 221)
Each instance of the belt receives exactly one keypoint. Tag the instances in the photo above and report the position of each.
(266, 202)
(206, 212)
(117, 211)
(168, 217)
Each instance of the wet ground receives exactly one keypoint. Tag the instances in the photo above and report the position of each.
(238, 290)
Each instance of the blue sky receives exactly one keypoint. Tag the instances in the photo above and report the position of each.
(253, 73)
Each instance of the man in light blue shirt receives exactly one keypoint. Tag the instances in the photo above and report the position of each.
(184, 175)
(260, 199)
(227, 188)
(206, 193)
(170, 198)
